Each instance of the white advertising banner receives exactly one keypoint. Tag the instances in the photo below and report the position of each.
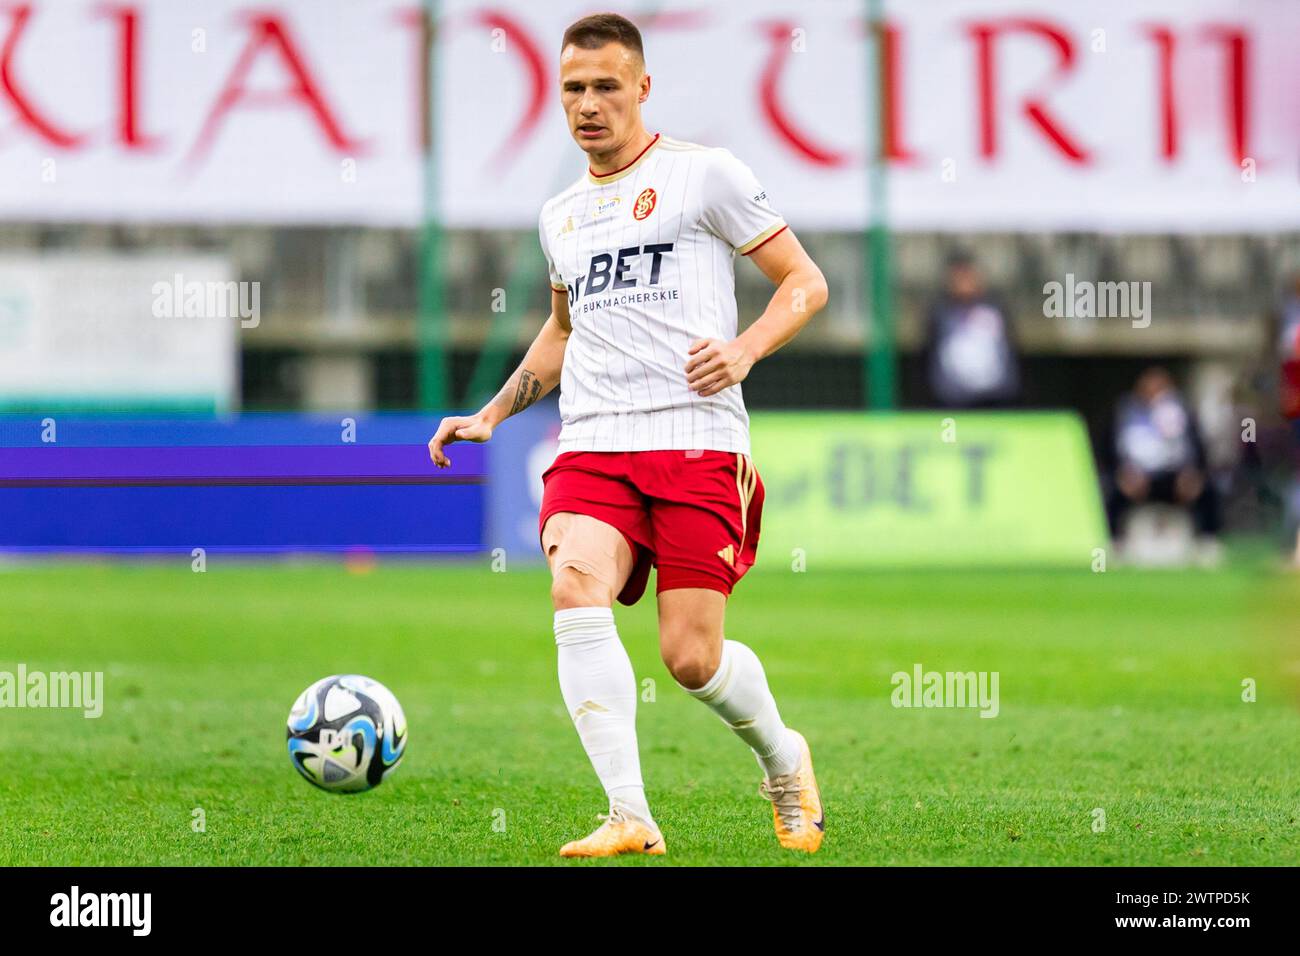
(96, 330)
(1142, 115)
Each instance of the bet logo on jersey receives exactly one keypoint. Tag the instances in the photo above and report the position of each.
(645, 204)
(612, 272)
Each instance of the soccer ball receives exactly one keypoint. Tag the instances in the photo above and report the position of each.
(346, 733)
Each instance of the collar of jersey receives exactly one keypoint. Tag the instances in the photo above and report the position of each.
(603, 178)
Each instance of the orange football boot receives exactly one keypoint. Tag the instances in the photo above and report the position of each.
(618, 834)
(797, 804)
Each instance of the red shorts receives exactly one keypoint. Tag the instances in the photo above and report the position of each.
(694, 515)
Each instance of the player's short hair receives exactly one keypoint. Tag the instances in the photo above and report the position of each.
(593, 32)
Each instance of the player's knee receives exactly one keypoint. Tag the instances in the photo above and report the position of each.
(573, 585)
(691, 661)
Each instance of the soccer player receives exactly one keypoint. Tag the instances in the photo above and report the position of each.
(653, 465)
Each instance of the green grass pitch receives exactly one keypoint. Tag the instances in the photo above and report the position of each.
(1120, 691)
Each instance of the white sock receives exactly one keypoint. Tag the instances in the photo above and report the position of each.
(599, 691)
(738, 693)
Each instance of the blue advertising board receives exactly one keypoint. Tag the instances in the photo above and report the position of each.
(256, 484)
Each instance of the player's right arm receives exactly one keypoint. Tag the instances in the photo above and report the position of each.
(536, 375)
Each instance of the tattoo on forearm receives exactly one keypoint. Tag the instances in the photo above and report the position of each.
(530, 388)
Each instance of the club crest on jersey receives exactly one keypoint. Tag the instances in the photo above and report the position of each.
(605, 205)
(645, 204)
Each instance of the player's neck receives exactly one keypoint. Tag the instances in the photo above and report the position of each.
(626, 154)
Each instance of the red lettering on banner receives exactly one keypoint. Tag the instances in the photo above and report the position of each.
(267, 32)
(891, 60)
(128, 73)
(136, 118)
(985, 34)
(1236, 96)
(1165, 45)
(1235, 72)
(778, 32)
(26, 111)
(536, 71)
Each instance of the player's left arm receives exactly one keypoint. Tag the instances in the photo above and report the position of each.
(800, 293)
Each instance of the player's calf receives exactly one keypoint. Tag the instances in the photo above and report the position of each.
(737, 692)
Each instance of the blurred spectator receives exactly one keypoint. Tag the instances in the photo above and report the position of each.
(1289, 391)
(970, 356)
(1159, 455)
(1289, 353)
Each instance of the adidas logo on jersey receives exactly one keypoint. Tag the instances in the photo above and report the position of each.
(728, 554)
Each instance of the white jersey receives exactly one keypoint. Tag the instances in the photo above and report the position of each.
(646, 255)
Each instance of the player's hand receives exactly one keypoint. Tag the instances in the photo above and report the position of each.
(457, 428)
(715, 365)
